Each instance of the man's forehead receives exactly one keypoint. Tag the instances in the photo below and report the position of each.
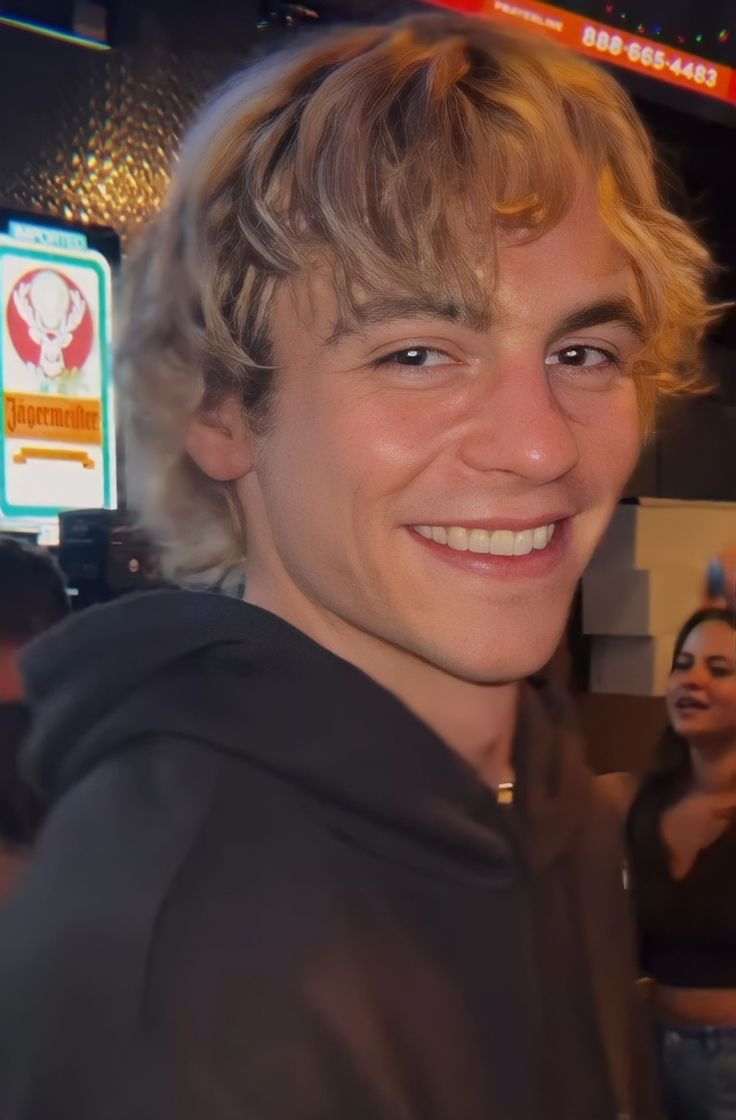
(314, 305)
(479, 283)
(313, 299)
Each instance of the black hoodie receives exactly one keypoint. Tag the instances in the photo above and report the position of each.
(267, 891)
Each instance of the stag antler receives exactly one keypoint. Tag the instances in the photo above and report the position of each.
(23, 304)
(26, 312)
(75, 314)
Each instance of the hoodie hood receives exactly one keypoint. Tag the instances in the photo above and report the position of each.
(243, 682)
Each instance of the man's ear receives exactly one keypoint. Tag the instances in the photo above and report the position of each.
(220, 441)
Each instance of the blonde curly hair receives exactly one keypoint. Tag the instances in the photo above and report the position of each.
(371, 152)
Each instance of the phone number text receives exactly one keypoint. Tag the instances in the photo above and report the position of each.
(654, 58)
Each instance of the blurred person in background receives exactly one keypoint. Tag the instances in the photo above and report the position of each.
(32, 599)
(720, 589)
(331, 851)
(682, 840)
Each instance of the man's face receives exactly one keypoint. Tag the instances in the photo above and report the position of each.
(397, 456)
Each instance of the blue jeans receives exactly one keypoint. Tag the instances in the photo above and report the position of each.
(699, 1072)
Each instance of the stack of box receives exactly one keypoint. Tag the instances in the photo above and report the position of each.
(647, 576)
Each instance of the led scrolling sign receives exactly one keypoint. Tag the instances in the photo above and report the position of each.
(610, 44)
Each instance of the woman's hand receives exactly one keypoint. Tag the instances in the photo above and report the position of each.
(618, 789)
(726, 594)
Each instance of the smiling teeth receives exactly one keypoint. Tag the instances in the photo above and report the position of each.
(501, 542)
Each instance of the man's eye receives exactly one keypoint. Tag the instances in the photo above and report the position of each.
(582, 357)
(416, 356)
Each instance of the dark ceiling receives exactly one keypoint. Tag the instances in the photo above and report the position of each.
(695, 135)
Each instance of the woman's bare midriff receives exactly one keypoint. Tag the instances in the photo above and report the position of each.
(695, 1006)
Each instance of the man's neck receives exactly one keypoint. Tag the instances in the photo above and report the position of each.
(476, 720)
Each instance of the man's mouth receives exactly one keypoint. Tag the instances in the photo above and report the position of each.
(496, 542)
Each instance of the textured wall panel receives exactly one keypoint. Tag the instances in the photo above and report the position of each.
(96, 144)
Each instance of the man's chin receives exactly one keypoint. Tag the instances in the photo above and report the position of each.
(508, 663)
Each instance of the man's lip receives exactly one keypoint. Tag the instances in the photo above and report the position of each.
(512, 524)
(533, 564)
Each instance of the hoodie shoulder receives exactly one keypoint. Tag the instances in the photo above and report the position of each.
(81, 675)
(76, 939)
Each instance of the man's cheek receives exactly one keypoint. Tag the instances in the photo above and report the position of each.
(613, 458)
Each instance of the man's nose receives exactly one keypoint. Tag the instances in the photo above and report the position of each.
(518, 427)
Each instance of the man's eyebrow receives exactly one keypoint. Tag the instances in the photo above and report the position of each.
(385, 309)
(619, 310)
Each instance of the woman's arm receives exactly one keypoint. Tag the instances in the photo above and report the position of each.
(618, 789)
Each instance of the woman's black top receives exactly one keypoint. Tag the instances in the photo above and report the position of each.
(687, 926)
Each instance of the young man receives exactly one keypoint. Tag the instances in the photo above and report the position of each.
(322, 854)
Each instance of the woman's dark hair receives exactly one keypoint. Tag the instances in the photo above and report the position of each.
(669, 775)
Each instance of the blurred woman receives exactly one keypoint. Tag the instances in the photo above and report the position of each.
(682, 837)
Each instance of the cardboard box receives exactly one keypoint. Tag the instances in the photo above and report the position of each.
(631, 666)
(659, 533)
(638, 603)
